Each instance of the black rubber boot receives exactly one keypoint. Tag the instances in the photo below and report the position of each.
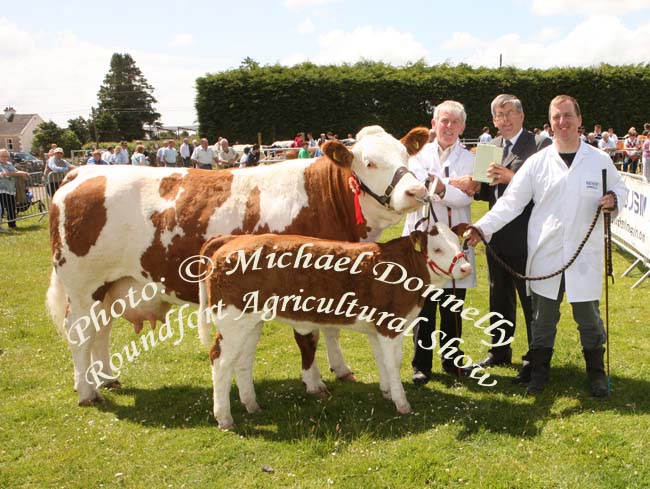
(596, 371)
(523, 377)
(540, 367)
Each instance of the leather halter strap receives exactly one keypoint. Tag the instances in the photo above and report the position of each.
(438, 270)
(385, 199)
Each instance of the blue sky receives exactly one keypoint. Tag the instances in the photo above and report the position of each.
(54, 55)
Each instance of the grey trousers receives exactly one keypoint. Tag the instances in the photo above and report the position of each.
(546, 315)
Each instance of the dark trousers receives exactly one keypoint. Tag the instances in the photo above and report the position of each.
(186, 162)
(547, 315)
(450, 324)
(8, 203)
(504, 289)
(627, 162)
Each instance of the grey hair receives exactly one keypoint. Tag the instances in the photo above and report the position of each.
(504, 99)
(450, 106)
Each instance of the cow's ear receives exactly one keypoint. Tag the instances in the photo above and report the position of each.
(459, 229)
(415, 140)
(338, 153)
(418, 240)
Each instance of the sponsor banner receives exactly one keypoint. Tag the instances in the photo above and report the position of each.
(632, 224)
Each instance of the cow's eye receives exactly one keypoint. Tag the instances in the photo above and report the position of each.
(371, 164)
(437, 251)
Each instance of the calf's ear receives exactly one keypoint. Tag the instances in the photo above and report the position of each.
(415, 140)
(418, 240)
(338, 153)
(459, 229)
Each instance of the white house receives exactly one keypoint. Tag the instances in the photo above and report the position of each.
(17, 130)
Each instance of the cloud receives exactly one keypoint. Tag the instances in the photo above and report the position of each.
(580, 7)
(13, 41)
(598, 39)
(61, 75)
(461, 40)
(306, 3)
(306, 26)
(548, 34)
(181, 40)
(367, 42)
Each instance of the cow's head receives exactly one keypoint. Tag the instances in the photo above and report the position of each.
(444, 254)
(381, 163)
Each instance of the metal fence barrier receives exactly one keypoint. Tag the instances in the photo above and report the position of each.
(34, 194)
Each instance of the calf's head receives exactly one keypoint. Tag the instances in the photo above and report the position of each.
(381, 164)
(444, 253)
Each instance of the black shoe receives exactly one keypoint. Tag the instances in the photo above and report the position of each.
(594, 360)
(523, 377)
(420, 378)
(498, 358)
(540, 368)
(449, 367)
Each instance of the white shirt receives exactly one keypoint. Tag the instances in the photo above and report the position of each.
(602, 144)
(485, 138)
(565, 203)
(186, 152)
(107, 156)
(203, 156)
(460, 162)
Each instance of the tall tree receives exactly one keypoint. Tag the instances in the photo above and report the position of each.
(81, 127)
(49, 132)
(127, 97)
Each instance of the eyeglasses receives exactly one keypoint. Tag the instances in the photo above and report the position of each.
(499, 116)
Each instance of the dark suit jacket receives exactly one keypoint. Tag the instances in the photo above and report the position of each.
(512, 239)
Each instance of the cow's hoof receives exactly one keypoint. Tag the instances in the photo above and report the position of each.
(349, 377)
(113, 385)
(404, 409)
(91, 402)
(227, 425)
(253, 408)
(321, 393)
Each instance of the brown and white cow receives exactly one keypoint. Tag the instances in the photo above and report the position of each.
(377, 289)
(117, 228)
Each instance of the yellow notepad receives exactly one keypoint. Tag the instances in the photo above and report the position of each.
(485, 155)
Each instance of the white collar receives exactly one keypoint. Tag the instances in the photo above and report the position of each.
(514, 139)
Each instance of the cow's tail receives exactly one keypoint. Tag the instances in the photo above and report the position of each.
(205, 315)
(56, 301)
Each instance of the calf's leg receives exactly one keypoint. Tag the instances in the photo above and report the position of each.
(227, 349)
(335, 356)
(244, 369)
(384, 384)
(392, 353)
(311, 377)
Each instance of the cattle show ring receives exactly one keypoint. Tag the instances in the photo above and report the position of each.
(134, 302)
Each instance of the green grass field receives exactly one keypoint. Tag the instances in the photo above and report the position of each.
(158, 431)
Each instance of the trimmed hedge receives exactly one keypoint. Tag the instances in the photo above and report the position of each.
(280, 101)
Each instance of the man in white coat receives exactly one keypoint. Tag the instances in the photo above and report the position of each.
(565, 183)
(444, 158)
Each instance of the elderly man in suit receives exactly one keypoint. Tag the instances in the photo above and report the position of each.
(510, 242)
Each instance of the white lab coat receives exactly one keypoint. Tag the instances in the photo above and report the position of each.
(565, 203)
(460, 162)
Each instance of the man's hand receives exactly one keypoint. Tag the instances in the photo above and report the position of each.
(466, 184)
(608, 202)
(472, 236)
(499, 174)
